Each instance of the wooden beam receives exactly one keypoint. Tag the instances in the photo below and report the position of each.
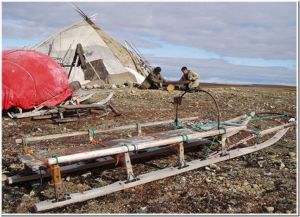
(81, 133)
(34, 113)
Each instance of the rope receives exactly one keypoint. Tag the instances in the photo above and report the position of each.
(208, 150)
(222, 128)
(25, 141)
(92, 133)
(250, 115)
(185, 138)
(177, 125)
(208, 126)
(270, 117)
(56, 158)
(257, 132)
(135, 148)
(126, 145)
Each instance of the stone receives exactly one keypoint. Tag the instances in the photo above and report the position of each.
(16, 166)
(68, 179)
(292, 154)
(32, 193)
(220, 178)
(86, 174)
(233, 202)
(282, 165)
(207, 180)
(261, 163)
(207, 168)
(245, 183)
(214, 167)
(267, 173)
(143, 210)
(4, 178)
(269, 209)
(36, 129)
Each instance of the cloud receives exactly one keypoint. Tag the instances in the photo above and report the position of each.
(240, 32)
(225, 72)
(253, 30)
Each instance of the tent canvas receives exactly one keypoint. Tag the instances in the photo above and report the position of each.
(107, 59)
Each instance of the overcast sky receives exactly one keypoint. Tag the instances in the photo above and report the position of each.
(223, 42)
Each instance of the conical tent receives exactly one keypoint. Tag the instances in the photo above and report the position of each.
(107, 59)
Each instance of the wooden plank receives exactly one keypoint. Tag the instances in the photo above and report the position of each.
(81, 106)
(99, 104)
(34, 113)
(81, 133)
(237, 118)
(153, 176)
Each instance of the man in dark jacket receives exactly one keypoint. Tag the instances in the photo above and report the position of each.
(154, 80)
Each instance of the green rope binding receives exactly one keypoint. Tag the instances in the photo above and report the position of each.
(25, 141)
(257, 133)
(250, 115)
(185, 138)
(126, 145)
(208, 126)
(92, 133)
(270, 117)
(222, 128)
(208, 150)
(285, 114)
(177, 125)
(56, 158)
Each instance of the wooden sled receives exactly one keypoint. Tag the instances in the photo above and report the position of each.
(67, 112)
(99, 154)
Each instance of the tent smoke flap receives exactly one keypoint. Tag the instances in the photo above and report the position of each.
(30, 78)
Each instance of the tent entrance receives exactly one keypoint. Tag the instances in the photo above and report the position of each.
(96, 70)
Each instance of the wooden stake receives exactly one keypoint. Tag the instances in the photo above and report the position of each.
(57, 182)
(181, 160)
(128, 167)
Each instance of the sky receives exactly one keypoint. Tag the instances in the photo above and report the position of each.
(236, 42)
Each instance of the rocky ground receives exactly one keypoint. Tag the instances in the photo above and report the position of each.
(262, 182)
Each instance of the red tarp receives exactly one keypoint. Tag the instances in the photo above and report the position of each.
(30, 78)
